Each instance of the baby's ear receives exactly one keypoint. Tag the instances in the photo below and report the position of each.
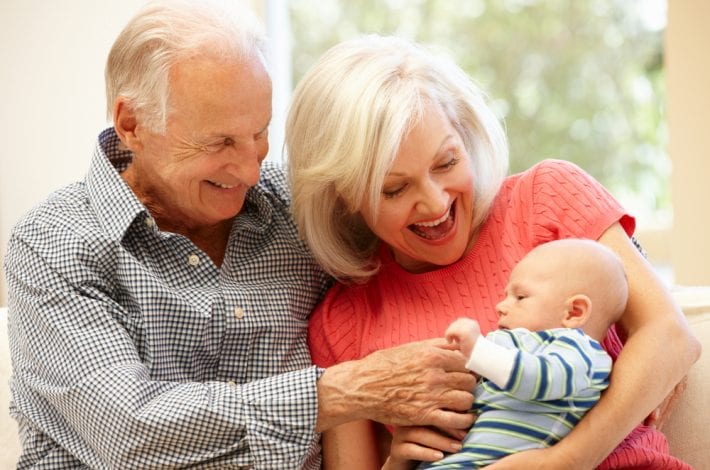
(579, 308)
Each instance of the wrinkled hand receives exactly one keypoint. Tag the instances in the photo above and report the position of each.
(423, 383)
(417, 443)
(659, 416)
(465, 333)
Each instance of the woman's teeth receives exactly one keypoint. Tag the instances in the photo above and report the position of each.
(436, 229)
(434, 223)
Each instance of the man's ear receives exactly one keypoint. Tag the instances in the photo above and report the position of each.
(579, 309)
(125, 123)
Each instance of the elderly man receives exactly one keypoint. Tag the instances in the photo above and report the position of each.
(158, 309)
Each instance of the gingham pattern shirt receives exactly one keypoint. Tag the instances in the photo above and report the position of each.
(131, 349)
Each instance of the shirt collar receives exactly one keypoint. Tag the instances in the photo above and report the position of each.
(116, 206)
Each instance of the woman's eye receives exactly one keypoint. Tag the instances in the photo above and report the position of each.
(450, 163)
(390, 193)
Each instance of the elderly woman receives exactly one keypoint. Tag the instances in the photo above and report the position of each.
(398, 170)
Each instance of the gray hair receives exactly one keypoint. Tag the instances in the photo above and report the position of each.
(166, 31)
(348, 118)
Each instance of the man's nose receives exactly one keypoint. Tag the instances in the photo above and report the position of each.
(247, 158)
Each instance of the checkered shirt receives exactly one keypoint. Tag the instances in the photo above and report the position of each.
(131, 349)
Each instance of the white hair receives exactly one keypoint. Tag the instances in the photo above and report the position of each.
(164, 32)
(348, 118)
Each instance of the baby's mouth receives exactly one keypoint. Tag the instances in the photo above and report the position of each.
(436, 229)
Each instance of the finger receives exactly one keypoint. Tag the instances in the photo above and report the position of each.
(455, 433)
(432, 438)
(412, 451)
(451, 419)
(449, 358)
(451, 337)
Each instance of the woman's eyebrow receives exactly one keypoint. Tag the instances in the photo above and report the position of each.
(443, 144)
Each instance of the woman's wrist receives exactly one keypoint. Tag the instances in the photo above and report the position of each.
(395, 464)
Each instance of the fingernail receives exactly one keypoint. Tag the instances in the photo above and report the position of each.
(456, 446)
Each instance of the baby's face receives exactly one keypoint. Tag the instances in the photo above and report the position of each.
(533, 297)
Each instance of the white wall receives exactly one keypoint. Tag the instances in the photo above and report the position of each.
(52, 57)
(688, 75)
(52, 104)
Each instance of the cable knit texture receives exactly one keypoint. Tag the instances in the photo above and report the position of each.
(554, 199)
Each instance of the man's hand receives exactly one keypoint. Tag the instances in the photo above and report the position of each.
(423, 383)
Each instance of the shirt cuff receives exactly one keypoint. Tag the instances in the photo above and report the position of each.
(492, 361)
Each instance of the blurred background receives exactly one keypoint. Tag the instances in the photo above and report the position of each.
(617, 86)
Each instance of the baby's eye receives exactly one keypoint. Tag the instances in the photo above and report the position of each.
(520, 297)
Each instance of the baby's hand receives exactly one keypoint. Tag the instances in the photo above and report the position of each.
(465, 332)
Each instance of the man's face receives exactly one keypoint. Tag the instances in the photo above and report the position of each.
(198, 173)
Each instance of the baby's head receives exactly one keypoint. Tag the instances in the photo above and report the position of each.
(570, 283)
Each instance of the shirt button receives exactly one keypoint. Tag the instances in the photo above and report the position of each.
(232, 384)
(150, 222)
(239, 313)
(193, 260)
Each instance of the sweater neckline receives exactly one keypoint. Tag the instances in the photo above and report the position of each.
(393, 268)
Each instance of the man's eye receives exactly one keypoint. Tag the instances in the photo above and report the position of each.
(218, 146)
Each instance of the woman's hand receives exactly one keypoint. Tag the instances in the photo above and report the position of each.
(411, 444)
(658, 417)
(538, 459)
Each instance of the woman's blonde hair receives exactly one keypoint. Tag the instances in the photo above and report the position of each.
(349, 115)
(164, 32)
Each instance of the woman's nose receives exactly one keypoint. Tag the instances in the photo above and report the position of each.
(433, 199)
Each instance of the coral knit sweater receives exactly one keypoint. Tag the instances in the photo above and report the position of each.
(552, 200)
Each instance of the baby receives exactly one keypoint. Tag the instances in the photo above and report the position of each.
(544, 368)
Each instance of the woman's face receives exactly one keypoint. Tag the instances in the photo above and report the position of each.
(426, 204)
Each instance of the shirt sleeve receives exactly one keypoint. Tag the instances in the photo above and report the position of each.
(554, 366)
(569, 203)
(78, 378)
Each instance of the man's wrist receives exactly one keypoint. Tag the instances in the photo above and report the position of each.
(334, 406)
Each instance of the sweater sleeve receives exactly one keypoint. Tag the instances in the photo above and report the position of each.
(569, 203)
(333, 333)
